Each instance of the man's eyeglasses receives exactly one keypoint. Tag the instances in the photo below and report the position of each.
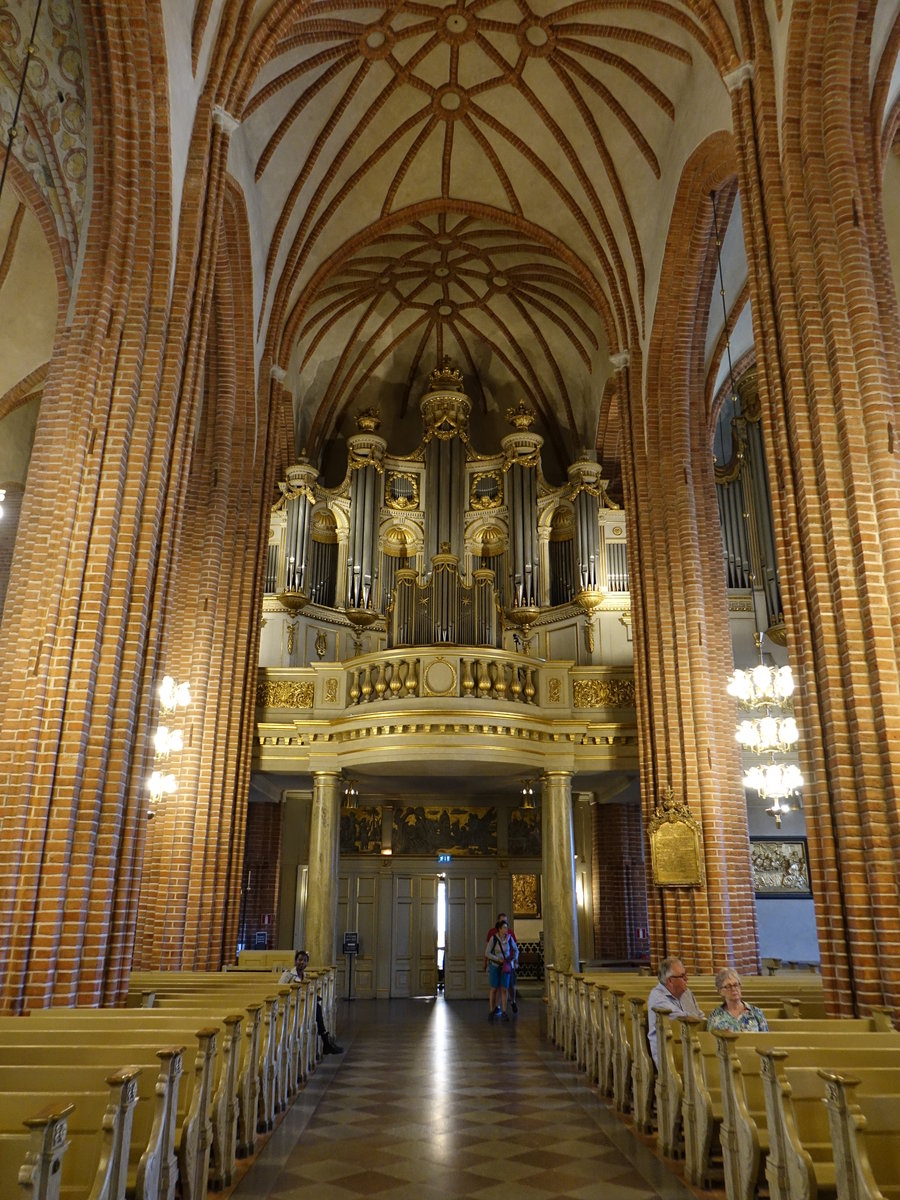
(678, 976)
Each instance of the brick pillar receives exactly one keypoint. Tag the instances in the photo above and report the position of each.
(827, 336)
(682, 640)
(190, 901)
(620, 896)
(99, 528)
(262, 858)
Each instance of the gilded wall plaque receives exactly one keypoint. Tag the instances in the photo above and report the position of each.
(675, 846)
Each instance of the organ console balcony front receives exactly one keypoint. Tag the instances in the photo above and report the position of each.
(448, 592)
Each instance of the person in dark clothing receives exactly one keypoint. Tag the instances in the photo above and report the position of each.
(295, 974)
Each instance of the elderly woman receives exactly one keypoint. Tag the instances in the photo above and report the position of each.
(733, 1013)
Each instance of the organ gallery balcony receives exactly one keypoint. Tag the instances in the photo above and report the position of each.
(445, 702)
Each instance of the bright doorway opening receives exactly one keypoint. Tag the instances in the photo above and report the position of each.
(441, 931)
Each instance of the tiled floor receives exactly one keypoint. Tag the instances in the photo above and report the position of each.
(431, 1101)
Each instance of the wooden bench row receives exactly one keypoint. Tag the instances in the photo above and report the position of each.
(97, 1131)
(601, 1021)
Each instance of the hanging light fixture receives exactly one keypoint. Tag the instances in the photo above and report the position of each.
(764, 687)
(168, 742)
(351, 794)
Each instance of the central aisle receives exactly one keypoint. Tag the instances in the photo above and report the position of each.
(431, 1101)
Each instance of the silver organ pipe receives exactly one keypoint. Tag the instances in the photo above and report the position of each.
(523, 525)
(587, 512)
(366, 452)
(301, 479)
(354, 566)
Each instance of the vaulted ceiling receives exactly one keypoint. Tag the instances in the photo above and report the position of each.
(486, 179)
(490, 180)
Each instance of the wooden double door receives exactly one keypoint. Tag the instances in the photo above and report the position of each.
(397, 917)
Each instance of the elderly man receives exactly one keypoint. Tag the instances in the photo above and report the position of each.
(671, 993)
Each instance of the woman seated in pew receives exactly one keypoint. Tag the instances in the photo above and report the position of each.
(733, 1013)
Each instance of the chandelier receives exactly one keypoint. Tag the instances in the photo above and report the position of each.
(763, 686)
(168, 742)
(768, 735)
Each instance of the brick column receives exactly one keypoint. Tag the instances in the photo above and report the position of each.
(827, 337)
(99, 532)
(558, 880)
(682, 640)
(190, 898)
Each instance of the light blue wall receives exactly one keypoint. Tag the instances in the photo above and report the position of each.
(787, 930)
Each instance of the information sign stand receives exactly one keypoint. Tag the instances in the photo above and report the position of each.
(351, 949)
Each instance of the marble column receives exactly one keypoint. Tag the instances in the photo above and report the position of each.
(558, 885)
(324, 834)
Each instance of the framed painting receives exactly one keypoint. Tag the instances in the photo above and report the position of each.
(526, 895)
(780, 868)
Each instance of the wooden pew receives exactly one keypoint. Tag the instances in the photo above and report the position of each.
(193, 1132)
(865, 1134)
(93, 1026)
(33, 1159)
(274, 1049)
(150, 1157)
(703, 1101)
(291, 1045)
(801, 1162)
(643, 1073)
(745, 1125)
(90, 1159)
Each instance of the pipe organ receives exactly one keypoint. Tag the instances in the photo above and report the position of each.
(745, 507)
(447, 541)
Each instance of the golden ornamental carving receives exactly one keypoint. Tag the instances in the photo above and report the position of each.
(520, 417)
(356, 460)
(480, 502)
(284, 693)
(440, 678)
(446, 416)
(603, 693)
(368, 420)
(675, 843)
(554, 690)
(324, 526)
(445, 378)
(331, 690)
(403, 503)
(293, 491)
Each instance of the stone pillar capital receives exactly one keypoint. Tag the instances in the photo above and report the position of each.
(736, 79)
(226, 122)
